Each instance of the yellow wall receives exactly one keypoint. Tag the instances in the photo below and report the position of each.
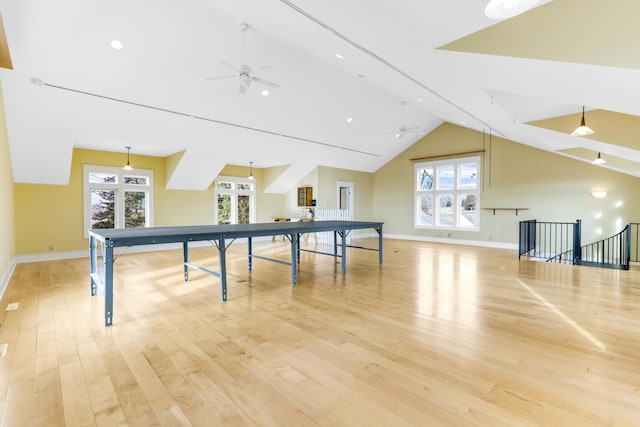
(7, 235)
(553, 187)
(362, 188)
(291, 197)
(268, 205)
(50, 217)
(324, 180)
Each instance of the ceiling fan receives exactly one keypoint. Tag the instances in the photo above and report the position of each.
(402, 130)
(245, 73)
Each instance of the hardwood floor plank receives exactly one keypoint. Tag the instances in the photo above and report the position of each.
(438, 335)
(75, 396)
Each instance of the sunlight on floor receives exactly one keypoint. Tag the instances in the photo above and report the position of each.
(564, 317)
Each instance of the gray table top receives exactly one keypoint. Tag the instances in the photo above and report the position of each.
(151, 235)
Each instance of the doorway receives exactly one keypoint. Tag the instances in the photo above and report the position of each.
(345, 198)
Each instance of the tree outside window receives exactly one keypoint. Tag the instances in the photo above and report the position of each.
(115, 198)
(447, 194)
(235, 200)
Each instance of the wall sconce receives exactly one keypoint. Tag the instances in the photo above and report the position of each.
(598, 194)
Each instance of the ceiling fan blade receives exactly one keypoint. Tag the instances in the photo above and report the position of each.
(265, 82)
(264, 67)
(233, 67)
(221, 77)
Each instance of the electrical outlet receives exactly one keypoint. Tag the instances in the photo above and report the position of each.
(13, 306)
(51, 248)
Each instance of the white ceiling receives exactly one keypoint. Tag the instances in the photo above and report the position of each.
(153, 94)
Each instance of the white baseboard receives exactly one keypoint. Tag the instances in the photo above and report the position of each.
(5, 279)
(482, 243)
(54, 256)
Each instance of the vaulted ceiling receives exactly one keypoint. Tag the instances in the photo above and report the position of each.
(385, 65)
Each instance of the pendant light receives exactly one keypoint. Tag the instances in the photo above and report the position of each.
(127, 167)
(583, 129)
(503, 9)
(251, 171)
(599, 160)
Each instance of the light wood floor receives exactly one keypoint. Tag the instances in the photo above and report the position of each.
(438, 335)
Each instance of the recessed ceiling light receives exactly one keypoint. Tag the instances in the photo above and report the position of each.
(339, 56)
(117, 44)
(265, 92)
(419, 99)
(349, 119)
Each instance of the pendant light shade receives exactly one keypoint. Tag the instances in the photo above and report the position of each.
(583, 129)
(599, 160)
(251, 171)
(503, 9)
(127, 167)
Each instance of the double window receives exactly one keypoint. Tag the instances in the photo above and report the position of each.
(235, 200)
(447, 194)
(116, 198)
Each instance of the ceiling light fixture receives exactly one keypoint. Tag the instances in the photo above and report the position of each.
(599, 160)
(117, 44)
(598, 194)
(127, 167)
(265, 92)
(349, 119)
(339, 56)
(583, 129)
(251, 171)
(503, 9)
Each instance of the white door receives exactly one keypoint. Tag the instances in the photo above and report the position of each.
(345, 198)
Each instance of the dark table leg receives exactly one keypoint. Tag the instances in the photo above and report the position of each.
(223, 267)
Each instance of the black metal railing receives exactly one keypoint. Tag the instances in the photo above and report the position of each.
(612, 252)
(634, 242)
(550, 241)
(560, 242)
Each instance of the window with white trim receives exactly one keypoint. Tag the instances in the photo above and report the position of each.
(235, 200)
(117, 198)
(447, 194)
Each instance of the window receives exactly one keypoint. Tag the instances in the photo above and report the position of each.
(447, 194)
(235, 200)
(115, 198)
